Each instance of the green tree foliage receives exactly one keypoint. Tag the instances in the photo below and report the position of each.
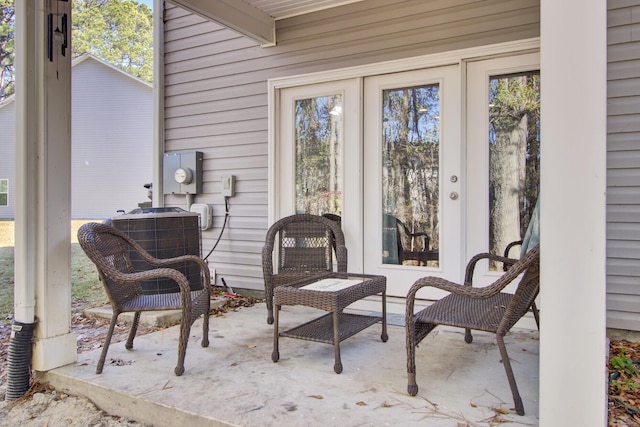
(117, 31)
(7, 46)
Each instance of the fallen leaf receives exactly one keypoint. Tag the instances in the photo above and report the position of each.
(501, 411)
(234, 364)
(317, 396)
(473, 405)
(251, 346)
(361, 403)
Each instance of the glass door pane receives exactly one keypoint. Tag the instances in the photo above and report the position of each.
(514, 156)
(318, 155)
(410, 175)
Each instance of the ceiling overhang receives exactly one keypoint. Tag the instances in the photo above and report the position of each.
(237, 15)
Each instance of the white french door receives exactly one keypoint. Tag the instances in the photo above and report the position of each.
(318, 158)
(402, 155)
(502, 155)
(412, 168)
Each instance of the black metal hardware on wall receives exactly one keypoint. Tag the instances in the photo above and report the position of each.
(59, 37)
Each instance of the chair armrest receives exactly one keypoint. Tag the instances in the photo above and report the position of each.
(468, 276)
(158, 273)
(455, 288)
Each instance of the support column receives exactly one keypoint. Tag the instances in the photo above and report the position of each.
(158, 102)
(573, 213)
(43, 179)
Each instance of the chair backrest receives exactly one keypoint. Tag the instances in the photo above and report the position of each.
(107, 248)
(527, 289)
(305, 242)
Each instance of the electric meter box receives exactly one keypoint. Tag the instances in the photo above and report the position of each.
(182, 172)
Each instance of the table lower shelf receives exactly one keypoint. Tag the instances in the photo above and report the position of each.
(321, 329)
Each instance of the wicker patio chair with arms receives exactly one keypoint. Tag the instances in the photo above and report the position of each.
(108, 248)
(303, 246)
(484, 309)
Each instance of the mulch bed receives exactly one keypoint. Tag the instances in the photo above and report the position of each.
(624, 384)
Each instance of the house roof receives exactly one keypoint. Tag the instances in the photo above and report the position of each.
(79, 60)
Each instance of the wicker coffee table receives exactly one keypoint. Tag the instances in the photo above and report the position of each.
(332, 292)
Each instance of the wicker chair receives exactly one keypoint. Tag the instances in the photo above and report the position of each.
(303, 247)
(485, 309)
(109, 248)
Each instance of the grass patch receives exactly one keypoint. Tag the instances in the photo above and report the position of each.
(86, 288)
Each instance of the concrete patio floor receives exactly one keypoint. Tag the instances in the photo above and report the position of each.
(233, 382)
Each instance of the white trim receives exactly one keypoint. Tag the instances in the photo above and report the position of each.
(158, 101)
(406, 64)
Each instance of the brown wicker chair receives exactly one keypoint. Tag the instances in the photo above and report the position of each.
(485, 309)
(109, 248)
(303, 247)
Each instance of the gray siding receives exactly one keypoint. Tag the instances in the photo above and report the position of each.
(7, 155)
(216, 90)
(111, 132)
(623, 165)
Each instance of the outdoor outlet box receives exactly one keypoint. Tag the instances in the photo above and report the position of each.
(206, 214)
(228, 185)
(182, 172)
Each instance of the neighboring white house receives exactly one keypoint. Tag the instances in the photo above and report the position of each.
(111, 142)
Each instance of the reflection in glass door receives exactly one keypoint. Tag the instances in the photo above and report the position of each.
(318, 155)
(410, 155)
(514, 156)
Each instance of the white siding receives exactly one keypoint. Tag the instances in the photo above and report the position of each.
(623, 165)
(7, 155)
(216, 90)
(112, 119)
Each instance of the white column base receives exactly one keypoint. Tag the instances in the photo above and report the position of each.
(53, 352)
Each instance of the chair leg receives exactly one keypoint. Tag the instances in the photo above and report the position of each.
(536, 314)
(107, 341)
(468, 338)
(412, 386)
(512, 381)
(185, 329)
(269, 301)
(205, 329)
(275, 354)
(132, 332)
(337, 366)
